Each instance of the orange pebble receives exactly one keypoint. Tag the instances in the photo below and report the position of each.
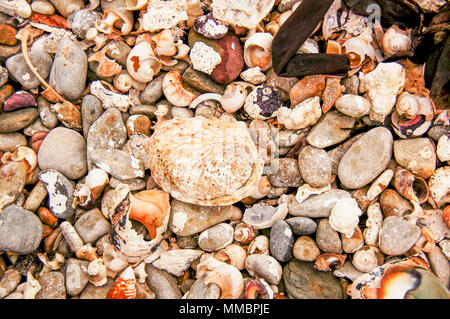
(47, 217)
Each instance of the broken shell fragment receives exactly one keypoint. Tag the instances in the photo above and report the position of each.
(175, 91)
(373, 223)
(142, 64)
(124, 287)
(439, 184)
(109, 98)
(344, 216)
(329, 262)
(261, 216)
(150, 208)
(380, 184)
(113, 18)
(263, 102)
(204, 58)
(215, 173)
(233, 254)
(302, 115)
(409, 186)
(242, 13)
(258, 51)
(259, 245)
(244, 233)
(227, 277)
(210, 27)
(382, 86)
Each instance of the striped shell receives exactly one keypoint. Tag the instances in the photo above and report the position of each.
(124, 287)
(203, 161)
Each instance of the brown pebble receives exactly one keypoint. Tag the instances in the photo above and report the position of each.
(46, 231)
(309, 86)
(47, 217)
(37, 139)
(138, 124)
(7, 34)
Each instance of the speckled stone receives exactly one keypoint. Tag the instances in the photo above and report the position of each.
(50, 155)
(60, 193)
(92, 225)
(52, 286)
(333, 128)
(285, 173)
(397, 236)
(69, 70)
(19, 70)
(366, 158)
(76, 276)
(9, 281)
(315, 166)
(327, 238)
(281, 241)
(20, 230)
(91, 109)
(302, 281)
(13, 177)
(302, 225)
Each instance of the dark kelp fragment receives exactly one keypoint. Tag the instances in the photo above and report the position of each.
(441, 79)
(286, 43)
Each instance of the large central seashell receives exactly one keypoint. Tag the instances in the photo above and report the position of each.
(203, 161)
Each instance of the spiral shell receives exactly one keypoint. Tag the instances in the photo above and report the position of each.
(124, 287)
(202, 161)
(142, 64)
(258, 51)
(396, 41)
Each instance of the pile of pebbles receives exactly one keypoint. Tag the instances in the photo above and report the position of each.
(356, 172)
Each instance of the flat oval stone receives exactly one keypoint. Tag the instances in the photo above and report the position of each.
(19, 70)
(60, 193)
(52, 286)
(281, 241)
(91, 109)
(76, 276)
(327, 238)
(216, 237)
(418, 155)
(315, 206)
(397, 236)
(302, 281)
(51, 157)
(331, 129)
(13, 176)
(315, 166)
(92, 225)
(302, 225)
(153, 91)
(20, 230)
(17, 120)
(188, 219)
(10, 141)
(69, 70)
(366, 158)
(118, 163)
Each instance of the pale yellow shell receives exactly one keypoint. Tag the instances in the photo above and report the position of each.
(204, 161)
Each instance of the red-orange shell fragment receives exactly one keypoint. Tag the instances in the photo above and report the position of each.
(124, 286)
(53, 20)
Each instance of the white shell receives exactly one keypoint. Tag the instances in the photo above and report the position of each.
(142, 64)
(344, 216)
(174, 90)
(16, 8)
(382, 86)
(443, 148)
(407, 105)
(396, 41)
(110, 99)
(380, 184)
(177, 261)
(254, 75)
(202, 161)
(204, 58)
(258, 51)
(439, 184)
(302, 115)
(304, 191)
(261, 216)
(243, 13)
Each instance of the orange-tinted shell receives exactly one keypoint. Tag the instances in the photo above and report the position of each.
(124, 287)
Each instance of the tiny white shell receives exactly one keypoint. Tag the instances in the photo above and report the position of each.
(142, 64)
(302, 115)
(344, 216)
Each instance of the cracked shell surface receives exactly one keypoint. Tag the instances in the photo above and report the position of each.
(207, 162)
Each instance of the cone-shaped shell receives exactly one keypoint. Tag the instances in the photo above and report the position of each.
(202, 161)
(124, 287)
